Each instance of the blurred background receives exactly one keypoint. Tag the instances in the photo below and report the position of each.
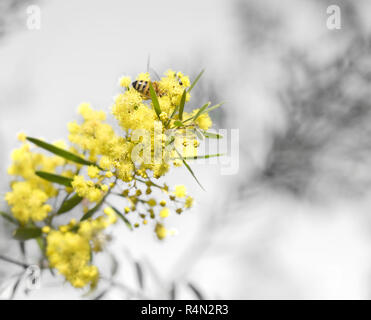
(294, 221)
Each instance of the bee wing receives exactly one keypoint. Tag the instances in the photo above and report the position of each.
(151, 70)
(148, 62)
(155, 74)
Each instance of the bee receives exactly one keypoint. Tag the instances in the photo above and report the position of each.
(142, 87)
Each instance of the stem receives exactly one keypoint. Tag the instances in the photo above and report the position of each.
(10, 260)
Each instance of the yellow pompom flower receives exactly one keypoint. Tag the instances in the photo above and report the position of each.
(45, 229)
(93, 172)
(188, 202)
(143, 76)
(27, 202)
(124, 81)
(69, 253)
(180, 191)
(161, 231)
(21, 137)
(164, 213)
(152, 202)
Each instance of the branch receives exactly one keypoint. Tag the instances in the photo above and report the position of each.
(21, 264)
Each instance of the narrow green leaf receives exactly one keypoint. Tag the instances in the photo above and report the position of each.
(60, 152)
(8, 217)
(196, 80)
(172, 292)
(127, 222)
(93, 210)
(97, 206)
(69, 204)
(15, 287)
(170, 141)
(174, 112)
(101, 295)
(114, 266)
(207, 156)
(41, 243)
(196, 291)
(139, 270)
(22, 247)
(200, 111)
(178, 123)
(182, 103)
(199, 134)
(156, 104)
(211, 135)
(25, 233)
(189, 168)
(51, 177)
(213, 107)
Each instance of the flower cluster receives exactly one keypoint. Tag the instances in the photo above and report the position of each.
(101, 163)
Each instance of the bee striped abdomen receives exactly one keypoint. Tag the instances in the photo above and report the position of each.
(145, 89)
(141, 86)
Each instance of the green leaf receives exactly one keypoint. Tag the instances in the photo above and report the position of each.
(199, 134)
(156, 104)
(22, 247)
(196, 80)
(182, 103)
(196, 291)
(139, 270)
(101, 295)
(93, 210)
(174, 112)
(41, 243)
(204, 157)
(60, 152)
(199, 112)
(16, 285)
(127, 222)
(189, 168)
(178, 123)
(211, 135)
(114, 266)
(204, 110)
(25, 233)
(213, 107)
(172, 292)
(69, 204)
(8, 217)
(170, 141)
(51, 177)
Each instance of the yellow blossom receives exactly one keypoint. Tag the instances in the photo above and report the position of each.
(45, 229)
(124, 81)
(21, 136)
(161, 231)
(69, 253)
(152, 202)
(27, 203)
(188, 202)
(93, 172)
(180, 191)
(164, 213)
